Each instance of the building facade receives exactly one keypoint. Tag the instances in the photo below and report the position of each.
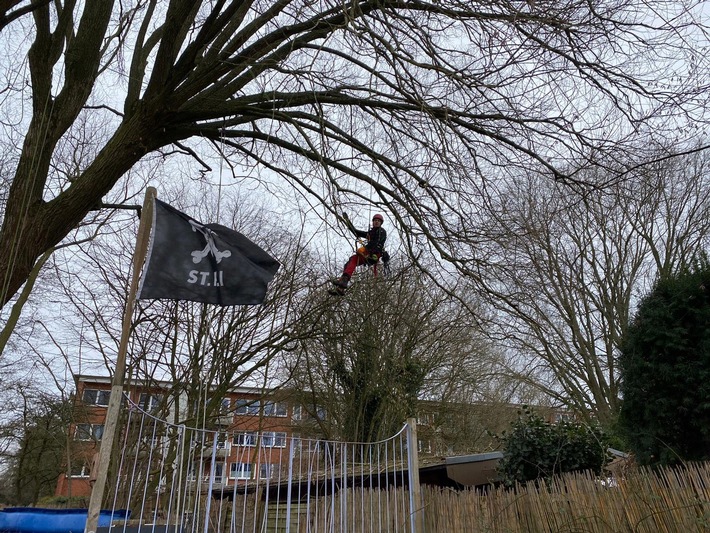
(249, 429)
(243, 419)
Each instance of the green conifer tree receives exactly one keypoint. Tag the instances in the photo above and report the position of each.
(665, 370)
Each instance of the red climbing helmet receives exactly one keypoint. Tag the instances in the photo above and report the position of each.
(378, 217)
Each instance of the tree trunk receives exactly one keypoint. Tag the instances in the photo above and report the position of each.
(32, 225)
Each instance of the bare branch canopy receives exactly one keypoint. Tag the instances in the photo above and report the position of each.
(423, 102)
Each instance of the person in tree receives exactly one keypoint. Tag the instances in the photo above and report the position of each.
(368, 254)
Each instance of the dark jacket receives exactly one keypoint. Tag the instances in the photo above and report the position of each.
(376, 238)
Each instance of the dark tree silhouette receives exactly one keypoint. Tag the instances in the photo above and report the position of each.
(420, 103)
(665, 370)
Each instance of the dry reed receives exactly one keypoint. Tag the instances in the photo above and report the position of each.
(670, 500)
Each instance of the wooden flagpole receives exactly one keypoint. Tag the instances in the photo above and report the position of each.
(113, 410)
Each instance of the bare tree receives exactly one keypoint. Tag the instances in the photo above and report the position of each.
(210, 347)
(414, 106)
(29, 316)
(13, 9)
(372, 357)
(571, 266)
(201, 351)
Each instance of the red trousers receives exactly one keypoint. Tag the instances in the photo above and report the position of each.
(355, 261)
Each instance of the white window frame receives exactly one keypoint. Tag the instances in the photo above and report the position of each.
(93, 432)
(239, 470)
(301, 413)
(225, 406)
(100, 396)
(149, 401)
(277, 409)
(219, 469)
(297, 412)
(84, 472)
(273, 439)
(268, 470)
(247, 407)
(564, 417)
(424, 445)
(246, 439)
(222, 441)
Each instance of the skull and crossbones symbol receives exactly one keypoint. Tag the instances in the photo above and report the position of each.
(210, 247)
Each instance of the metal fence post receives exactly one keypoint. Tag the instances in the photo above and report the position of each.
(289, 490)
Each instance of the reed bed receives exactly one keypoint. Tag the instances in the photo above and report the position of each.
(669, 500)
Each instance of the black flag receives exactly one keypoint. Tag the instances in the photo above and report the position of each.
(206, 263)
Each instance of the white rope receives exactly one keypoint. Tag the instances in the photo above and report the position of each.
(221, 164)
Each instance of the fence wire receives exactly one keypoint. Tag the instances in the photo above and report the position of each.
(177, 479)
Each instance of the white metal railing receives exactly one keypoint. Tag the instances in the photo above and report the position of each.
(189, 482)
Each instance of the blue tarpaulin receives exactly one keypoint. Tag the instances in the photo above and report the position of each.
(38, 520)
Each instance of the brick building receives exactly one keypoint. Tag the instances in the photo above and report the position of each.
(244, 418)
(252, 428)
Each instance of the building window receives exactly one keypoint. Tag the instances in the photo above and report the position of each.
(267, 471)
(269, 439)
(297, 413)
(247, 407)
(221, 441)
(224, 406)
(244, 470)
(80, 470)
(88, 432)
(150, 402)
(96, 397)
(564, 417)
(245, 438)
(275, 409)
(273, 439)
(240, 470)
(218, 472)
(302, 413)
(424, 446)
